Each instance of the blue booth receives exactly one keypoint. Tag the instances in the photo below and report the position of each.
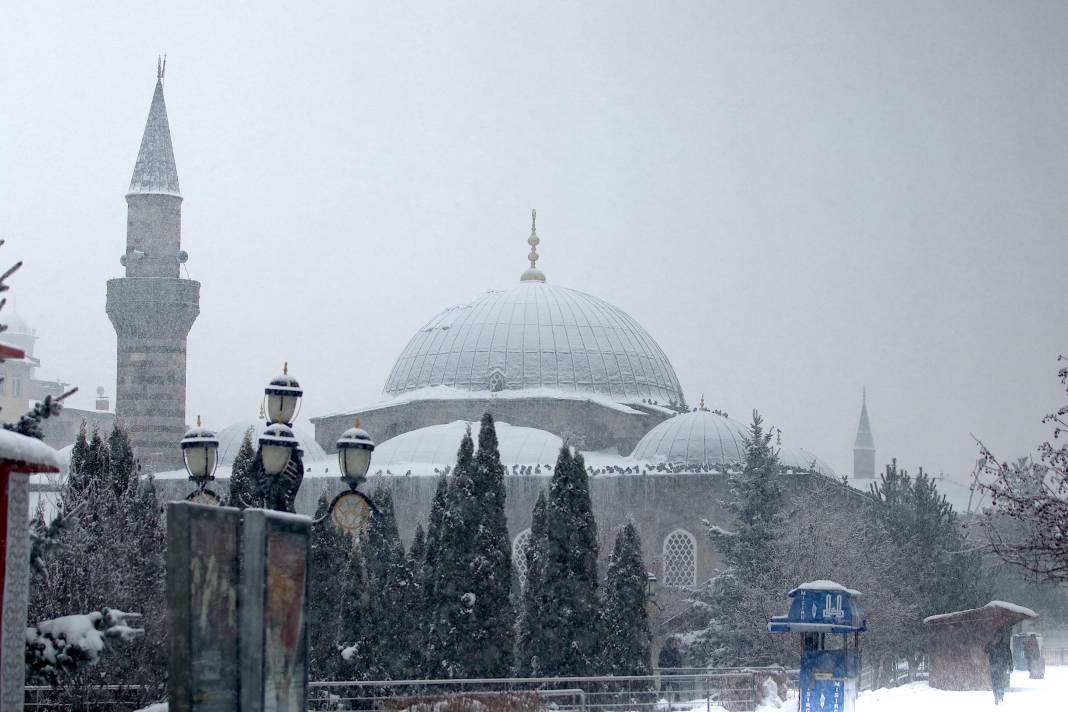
(830, 619)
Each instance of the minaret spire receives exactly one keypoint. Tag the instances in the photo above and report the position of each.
(155, 171)
(533, 274)
(864, 445)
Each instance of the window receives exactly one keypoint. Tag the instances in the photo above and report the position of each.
(519, 556)
(496, 381)
(680, 559)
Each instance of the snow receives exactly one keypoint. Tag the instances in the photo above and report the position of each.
(158, 707)
(1045, 695)
(20, 448)
(1005, 605)
(824, 585)
(433, 393)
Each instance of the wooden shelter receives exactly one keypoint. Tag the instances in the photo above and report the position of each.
(956, 643)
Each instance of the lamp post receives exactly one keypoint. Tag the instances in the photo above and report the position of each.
(280, 458)
(200, 454)
(353, 509)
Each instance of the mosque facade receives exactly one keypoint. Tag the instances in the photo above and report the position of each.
(554, 365)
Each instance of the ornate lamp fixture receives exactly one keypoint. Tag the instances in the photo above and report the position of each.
(352, 510)
(200, 454)
(282, 397)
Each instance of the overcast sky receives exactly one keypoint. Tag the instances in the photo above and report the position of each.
(795, 199)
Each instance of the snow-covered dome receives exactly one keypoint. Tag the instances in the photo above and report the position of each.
(799, 458)
(231, 436)
(699, 437)
(436, 445)
(19, 333)
(537, 336)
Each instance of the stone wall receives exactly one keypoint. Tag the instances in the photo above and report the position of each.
(587, 424)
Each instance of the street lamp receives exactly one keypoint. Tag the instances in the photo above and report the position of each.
(354, 449)
(352, 510)
(280, 456)
(200, 454)
(283, 396)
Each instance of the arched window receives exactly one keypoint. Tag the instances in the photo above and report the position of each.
(519, 557)
(680, 559)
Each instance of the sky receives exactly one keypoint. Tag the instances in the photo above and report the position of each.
(796, 200)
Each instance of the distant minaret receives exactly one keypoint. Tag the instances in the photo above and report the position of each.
(864, 445)
(152, 308)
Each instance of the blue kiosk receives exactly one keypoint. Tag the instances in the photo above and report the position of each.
(821, 611)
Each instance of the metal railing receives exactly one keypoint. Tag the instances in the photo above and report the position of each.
(733, 689)
(704, 689)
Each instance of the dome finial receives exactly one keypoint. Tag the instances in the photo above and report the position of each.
(702, 405)
(533, 274)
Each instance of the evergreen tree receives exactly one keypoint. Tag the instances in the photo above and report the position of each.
(242, 480)
(570, 572)
(76, 481)
(417, 604)
(491, 644)
(330, 551)
(431, 655)
(625, 619)
(355, 621)
(451, 603)
(534, 644)
(95, 467)
(123, 466)
(741, 597)
(388, 576)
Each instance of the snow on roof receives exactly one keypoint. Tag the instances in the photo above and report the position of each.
(436, 445)
(450, 393)
(31, 451)
(532, 336)
(824, 585)
(1004, 605)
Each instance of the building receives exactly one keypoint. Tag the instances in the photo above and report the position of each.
(20, 387)
(151, 307)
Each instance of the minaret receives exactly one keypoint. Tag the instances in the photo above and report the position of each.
(152, 308)
(864, 445)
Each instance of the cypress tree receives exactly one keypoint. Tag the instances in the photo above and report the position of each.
(96, 464)
(488, 563)
(123, 466)
(388, 577)
(570, 573)
(242, 482)
(417, 605)
(431, 655)
(625, 618)
(76, 479)
(534, 645)
(451, 620)
(355, 618)
(330, 548)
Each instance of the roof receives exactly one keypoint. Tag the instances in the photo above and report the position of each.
(437, 445)
(864, 439)
(155, 171)
(700, 437)
(994, 607)
(30, 453)
(537, 336)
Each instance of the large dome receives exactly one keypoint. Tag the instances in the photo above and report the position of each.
(537, 336)
(231, 436)
(699, 437)
(437, 445)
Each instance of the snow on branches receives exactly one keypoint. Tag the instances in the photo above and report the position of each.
(63, 644)
(1027, 521)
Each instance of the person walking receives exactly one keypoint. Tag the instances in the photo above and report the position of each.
(670, 659)
(1036, 666)
(999, 654)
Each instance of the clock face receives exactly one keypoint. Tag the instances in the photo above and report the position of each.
(351, 512)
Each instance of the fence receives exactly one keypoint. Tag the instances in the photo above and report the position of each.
(734, 689)
(700, 689)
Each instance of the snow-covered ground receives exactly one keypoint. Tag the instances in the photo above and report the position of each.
(1048, 695)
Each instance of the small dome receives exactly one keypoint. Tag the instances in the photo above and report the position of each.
(699, 437)
(437, 445)
(798, 458)
(18, 333)
(537, 336)
(231, 436)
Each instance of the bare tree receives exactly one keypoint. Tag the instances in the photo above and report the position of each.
(1027, 520)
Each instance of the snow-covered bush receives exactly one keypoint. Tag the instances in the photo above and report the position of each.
(63, 644)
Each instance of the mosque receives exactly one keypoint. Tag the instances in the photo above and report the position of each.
(553, 365)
